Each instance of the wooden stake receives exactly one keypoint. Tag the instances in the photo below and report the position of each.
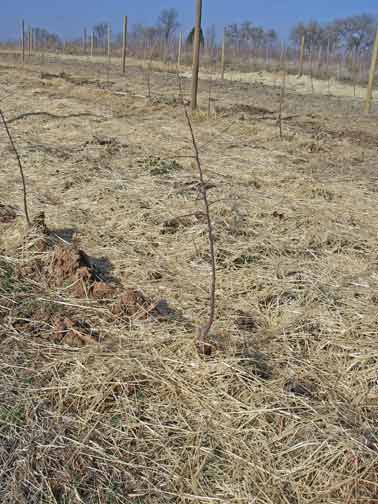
(320, 56)
(369, 94)
(29, 41)
(124, 44)
(301, 57)
(327, 64)
(144, 52)
(281, 55)
(196, 53)
(92, 43)
(23, 41)
(179, 51)
(355, 70)
(311, 69)
(283, 92)
(109, 42)
(223, 60)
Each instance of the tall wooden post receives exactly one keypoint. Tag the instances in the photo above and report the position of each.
(85, 41)
(23, 41)
(301, 57)
(29, 41)
(283, 89)
(196, 53)
(282, 52)
(124, 44)
(92, 43)
(223, 56)
(374, 58)
(320, 56)
(327, 57)
(179, 51)
(109, 42)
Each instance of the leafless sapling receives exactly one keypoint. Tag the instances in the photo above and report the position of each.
(203, 331)
(19, 165)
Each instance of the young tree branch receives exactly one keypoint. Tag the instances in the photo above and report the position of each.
(19, 165)
(204, 330)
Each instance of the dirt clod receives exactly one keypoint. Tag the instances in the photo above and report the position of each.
(69, 268)
(300, 389)
(7, 214)
(72, 332)
(134, 304)
(246, 322)
(102, 290)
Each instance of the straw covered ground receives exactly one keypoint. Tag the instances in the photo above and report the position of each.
(104, 397)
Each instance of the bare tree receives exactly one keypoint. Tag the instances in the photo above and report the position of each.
(354, 33)
(43, 38)
(313, 32)
(248, 36)
(211, 37)
(168, 23)
(100, 32)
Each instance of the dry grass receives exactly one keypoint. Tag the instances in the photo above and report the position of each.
(286, 409)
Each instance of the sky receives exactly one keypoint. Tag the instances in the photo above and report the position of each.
(67, 18)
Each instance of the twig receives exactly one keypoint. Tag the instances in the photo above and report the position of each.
(20, 166)
(204, 330)
(52, 116)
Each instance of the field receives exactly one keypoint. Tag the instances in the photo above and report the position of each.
(104, 397)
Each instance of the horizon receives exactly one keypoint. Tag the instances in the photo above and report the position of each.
(278, 15)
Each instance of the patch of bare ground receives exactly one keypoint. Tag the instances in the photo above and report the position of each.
(7, 214)
(44, 267)
(104, 397)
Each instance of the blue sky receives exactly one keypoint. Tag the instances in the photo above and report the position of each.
(68, 17)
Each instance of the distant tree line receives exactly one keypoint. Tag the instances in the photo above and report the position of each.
(162, 32)
(248, 36)
(43, 39)
(351, 34)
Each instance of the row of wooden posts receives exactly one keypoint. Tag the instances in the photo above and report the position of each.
(196, 54)
(196, 48)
